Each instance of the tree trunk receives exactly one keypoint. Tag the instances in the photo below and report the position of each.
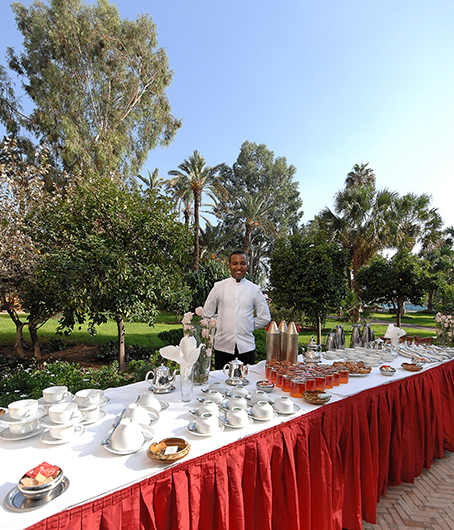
(319, 330)
(196, 231)
(35, 340)
(399, 312)
(121, 342)
(19, 345)
(430, 301)
(247, 239)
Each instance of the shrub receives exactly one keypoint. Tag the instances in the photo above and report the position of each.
(172, 337)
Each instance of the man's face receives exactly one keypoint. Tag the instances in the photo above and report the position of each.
(238, 266)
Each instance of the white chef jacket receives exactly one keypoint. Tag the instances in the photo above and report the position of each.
(234, 303)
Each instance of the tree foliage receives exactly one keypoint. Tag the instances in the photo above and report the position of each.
(393, 281)
(97, 84)
(309, 276)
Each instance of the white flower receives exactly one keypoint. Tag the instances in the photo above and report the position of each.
(187, 317)
(198, 311)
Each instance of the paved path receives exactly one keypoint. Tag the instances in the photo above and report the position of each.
(426, 504)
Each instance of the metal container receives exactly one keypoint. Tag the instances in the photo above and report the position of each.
(367, 336)
(291, 343)
(329, 342)
(282, 329)
(339, 339)
(356, 335)
(161, 379)
(273, 342)
(312, 355)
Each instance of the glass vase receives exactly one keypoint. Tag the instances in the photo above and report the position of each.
(186, 383)
(202, 367)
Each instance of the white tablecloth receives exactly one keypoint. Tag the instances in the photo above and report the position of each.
(94, 472)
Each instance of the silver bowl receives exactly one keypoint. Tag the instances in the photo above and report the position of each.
(39, 492)
(387, 370)
(264, 385)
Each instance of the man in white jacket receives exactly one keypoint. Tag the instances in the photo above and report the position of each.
(241, 308)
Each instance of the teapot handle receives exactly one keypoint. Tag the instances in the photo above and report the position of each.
(227, 365)
(148, 373)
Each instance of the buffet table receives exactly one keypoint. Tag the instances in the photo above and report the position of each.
(322, 468)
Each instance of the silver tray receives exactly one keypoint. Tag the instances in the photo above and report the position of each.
(162, 390)
(16, 502)
(235, 382)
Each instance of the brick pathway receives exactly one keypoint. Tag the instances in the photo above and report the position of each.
(427, 503)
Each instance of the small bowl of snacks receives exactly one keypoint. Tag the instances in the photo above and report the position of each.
(387, 370)
(40, 481)
(412, 367)
(316, 398)
(168, 450)
(267, 386)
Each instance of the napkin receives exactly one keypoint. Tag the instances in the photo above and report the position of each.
(394, 333)
(186, 354)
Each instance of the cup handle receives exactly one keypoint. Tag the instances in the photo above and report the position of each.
(66, 394)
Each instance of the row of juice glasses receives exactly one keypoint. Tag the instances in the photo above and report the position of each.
(298, 377)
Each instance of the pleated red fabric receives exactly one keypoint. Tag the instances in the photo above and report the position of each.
(323, 470)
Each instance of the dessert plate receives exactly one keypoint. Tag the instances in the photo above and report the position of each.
(6, 434)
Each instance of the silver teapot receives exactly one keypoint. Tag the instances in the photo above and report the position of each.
(312, 353)
(237, 372)
(377, 344)
(161, 379)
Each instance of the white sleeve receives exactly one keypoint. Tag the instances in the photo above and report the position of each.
(211, 304)
(263, 313)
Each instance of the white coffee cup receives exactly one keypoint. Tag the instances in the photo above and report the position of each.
(207, 423)
(24, 427)
(137, 413)
(54, 394)
(283, 404)
(240, 390)
(148, 399)
(237, 416)
(23, 409)
(63, 412)
(237, 401)
(215, 395)
(262, 409)
(209, 406)
(127, 436)
(259, 395)
(63, 433)
(88, 397)
(217, 385)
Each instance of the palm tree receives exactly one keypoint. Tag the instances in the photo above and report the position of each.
(193, 177)
(154, 181)
(360, 175)
(360, 223)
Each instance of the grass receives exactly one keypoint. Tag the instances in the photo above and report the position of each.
(144, 335)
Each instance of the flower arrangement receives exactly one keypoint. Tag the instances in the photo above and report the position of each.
(444, 326)
(203, 332)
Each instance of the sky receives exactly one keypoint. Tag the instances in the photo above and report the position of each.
(327, 84)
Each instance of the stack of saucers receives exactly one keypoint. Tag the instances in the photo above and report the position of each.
(22, 420)
(91, 402)
(63, 423)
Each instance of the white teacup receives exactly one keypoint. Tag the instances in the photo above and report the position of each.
(88, 397)
(137, 413)
(237, 416)
(23, 427)
(209, 406)
(63, 412)
(148, 399)
(217, 385)
(214, 395)
(128, 436)
(63, 433)
(207, 423)
(259, 395)
(262, 409)
(23, 409)
(240, 390)
(92, 414)
(237, 401)
(283, 404)
(54, 394)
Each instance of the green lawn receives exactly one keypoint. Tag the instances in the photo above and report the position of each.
(136, 333)
(144, 335)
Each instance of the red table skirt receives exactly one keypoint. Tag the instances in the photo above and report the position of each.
(324, 470)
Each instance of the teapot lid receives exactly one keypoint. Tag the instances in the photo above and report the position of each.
(236, 362)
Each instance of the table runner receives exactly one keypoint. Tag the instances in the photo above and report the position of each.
(322, 470)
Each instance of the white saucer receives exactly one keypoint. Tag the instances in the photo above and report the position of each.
(44, 403)
(103, 401)
(48, 424)
(151, 413)
(227, 424)
(6, 418)
(262, 419)
(6, 434)
(148, 436)
(296, 408)
(48, 439)
(91, 421)
(191, 428)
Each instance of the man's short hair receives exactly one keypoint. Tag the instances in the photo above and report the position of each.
(235, 252)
